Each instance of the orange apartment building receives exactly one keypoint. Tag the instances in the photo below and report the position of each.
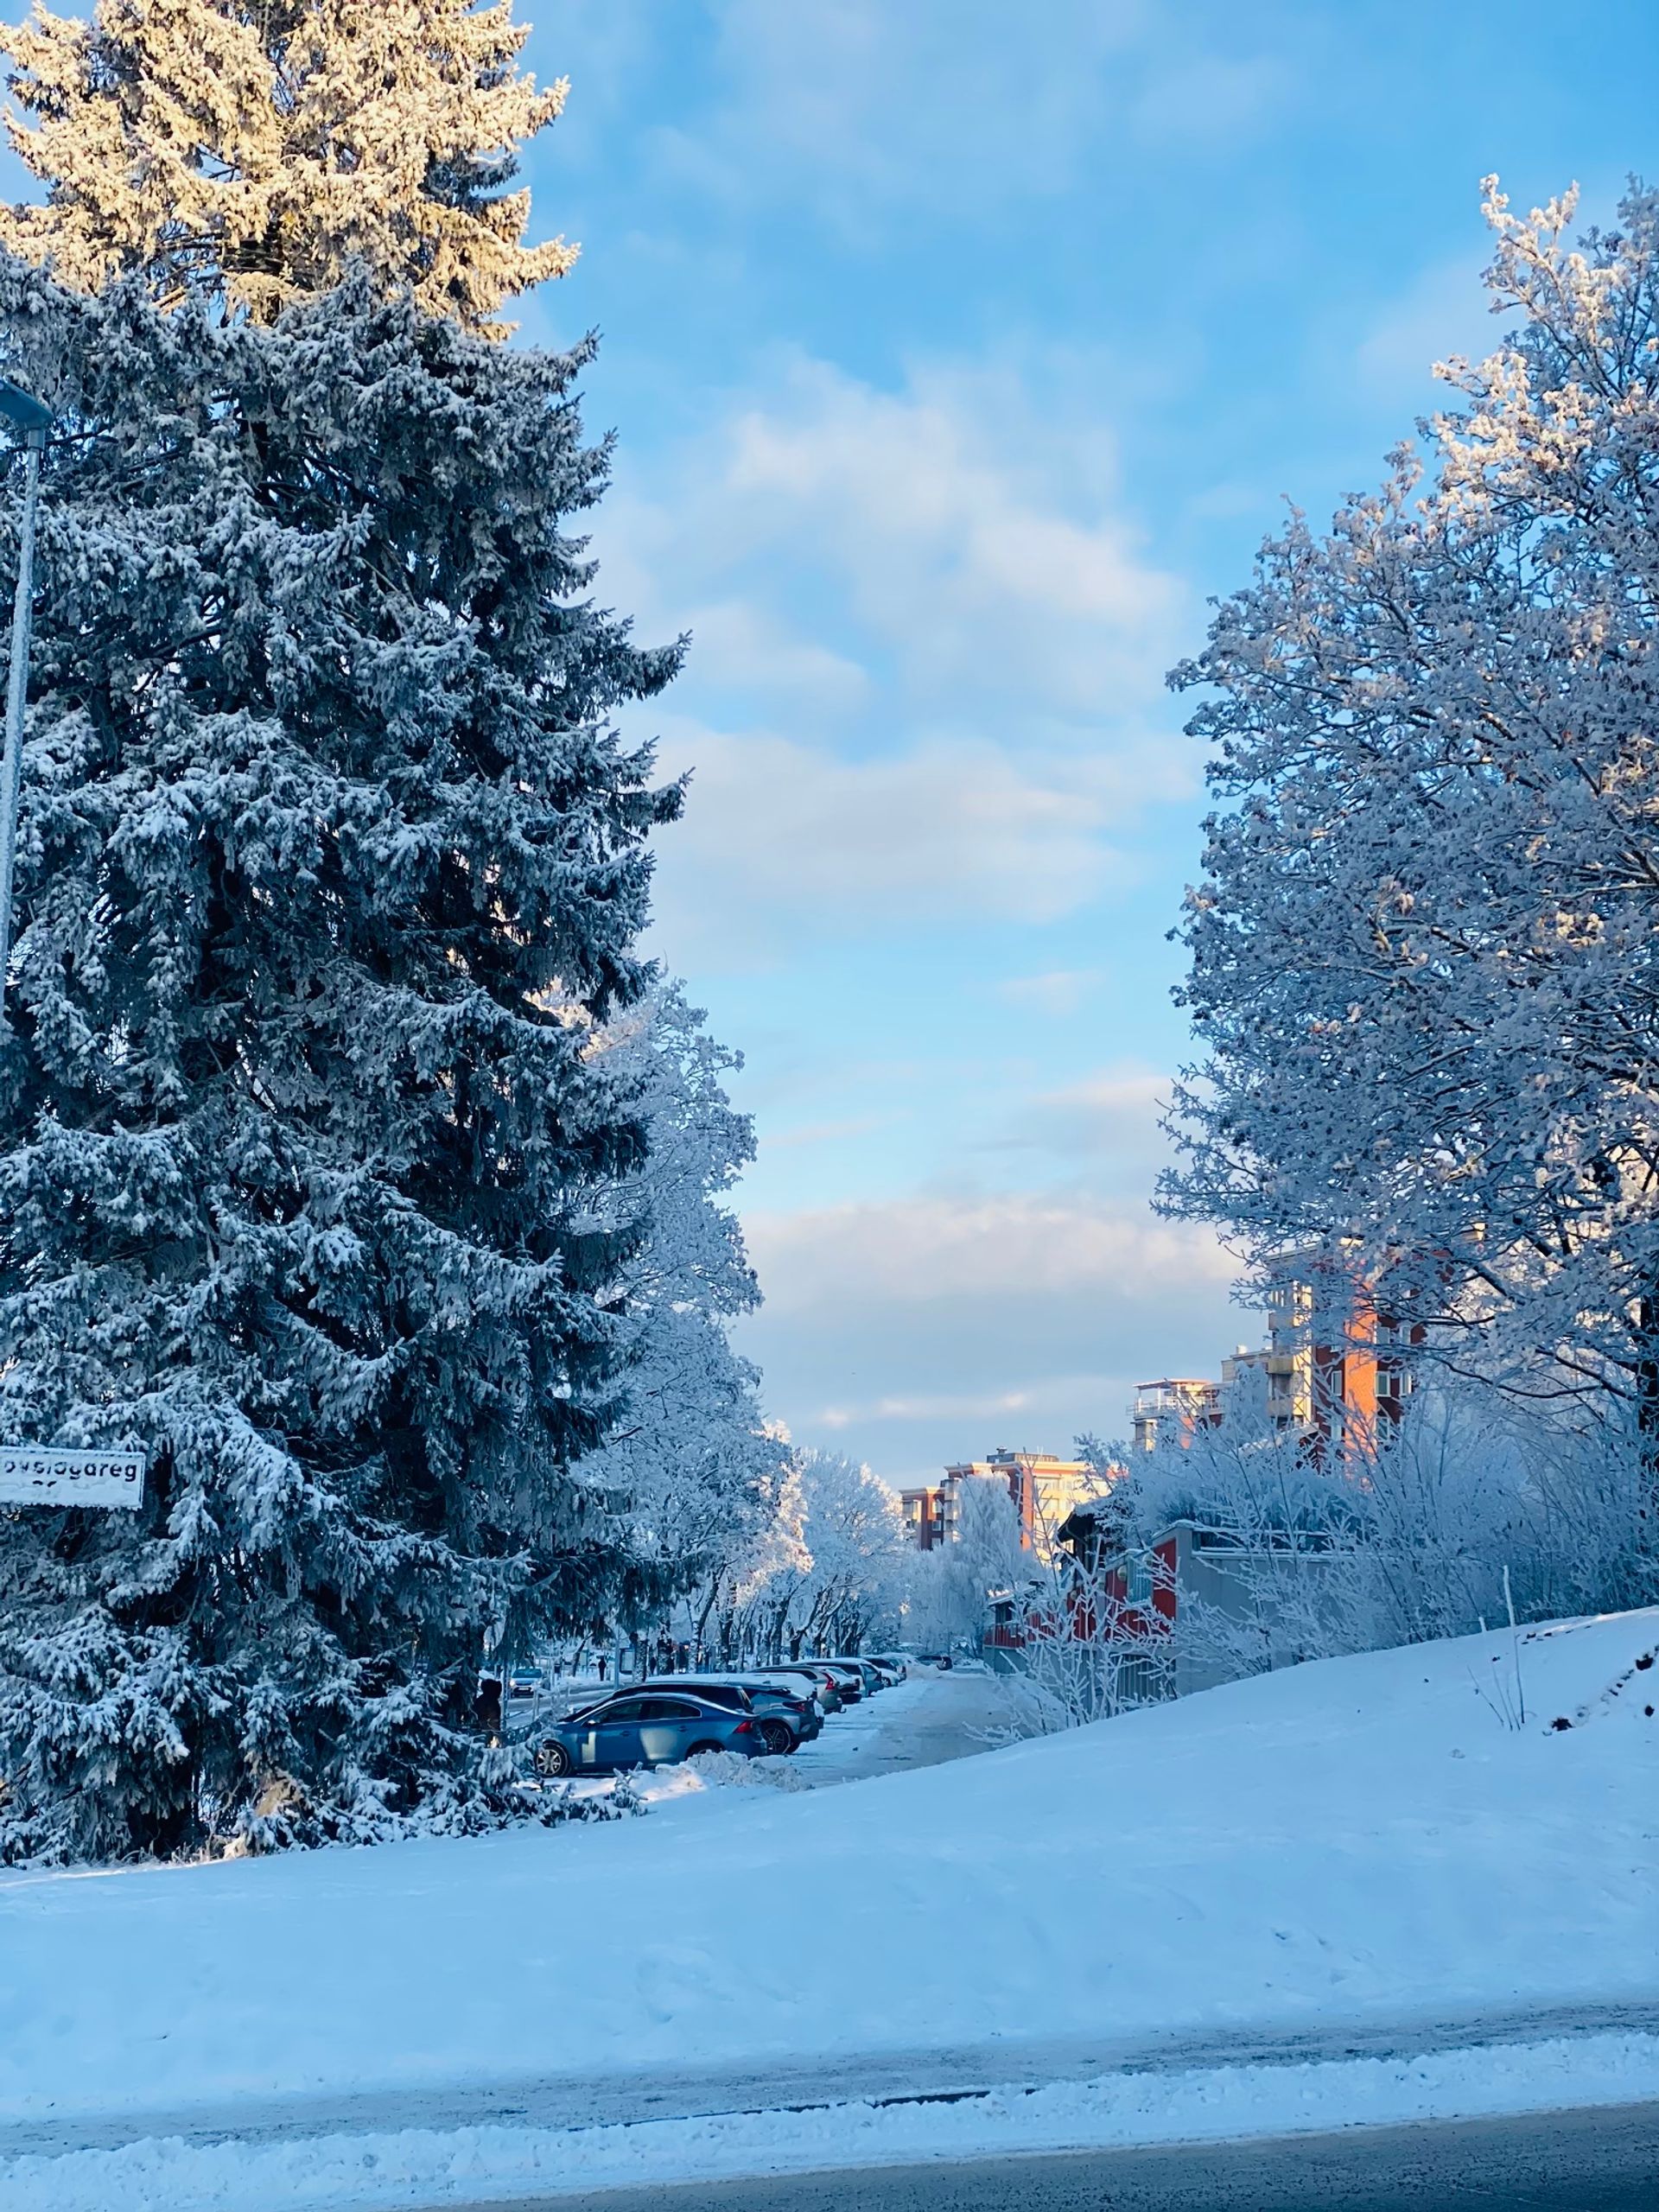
(1042, 1487)
(1331, 1370)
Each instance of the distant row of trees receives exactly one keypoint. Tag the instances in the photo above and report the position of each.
(829, 1569)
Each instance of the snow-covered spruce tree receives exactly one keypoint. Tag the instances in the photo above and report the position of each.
(692, 1456)
(1425, 953)
(331, 862)
(258, 150)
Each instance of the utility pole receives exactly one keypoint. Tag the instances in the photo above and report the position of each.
(34, 418)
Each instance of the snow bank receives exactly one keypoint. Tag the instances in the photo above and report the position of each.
(469, 2165)
(1363, 1840)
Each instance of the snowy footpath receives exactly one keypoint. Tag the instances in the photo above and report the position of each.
(924, 1722)
(1366, 1890)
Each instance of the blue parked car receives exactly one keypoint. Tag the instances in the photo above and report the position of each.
(632, 1730)
(784, 1717)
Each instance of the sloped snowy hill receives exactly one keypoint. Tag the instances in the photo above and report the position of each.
(1363, 1839)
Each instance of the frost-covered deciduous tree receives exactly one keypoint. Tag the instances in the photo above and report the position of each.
(258, 150)
(765, 1575)
(691, 1458)
(332, 862)
(835, 1564)
(1425, 951)
(952, 1585)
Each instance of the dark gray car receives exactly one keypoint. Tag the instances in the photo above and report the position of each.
(786, 1718)
(638, 1729)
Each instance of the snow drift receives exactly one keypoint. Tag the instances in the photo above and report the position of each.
(1379, 1838)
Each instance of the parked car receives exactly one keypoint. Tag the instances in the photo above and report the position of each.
(635, 1730)
(800, 1708)
(793, 1702)
(938, 1659)
(869, 1674)
(849, 1679)
(786, 1718)
(813, 1675)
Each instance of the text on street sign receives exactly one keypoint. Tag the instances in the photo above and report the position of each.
(41, 1475)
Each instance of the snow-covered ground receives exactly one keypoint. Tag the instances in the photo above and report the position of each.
(1307, 1855)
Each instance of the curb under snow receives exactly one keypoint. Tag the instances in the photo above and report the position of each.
(432, 2168)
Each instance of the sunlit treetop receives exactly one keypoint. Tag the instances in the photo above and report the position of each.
(256, 150)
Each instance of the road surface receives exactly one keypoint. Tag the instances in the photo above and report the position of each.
(923, 1722)
(1602, 2161)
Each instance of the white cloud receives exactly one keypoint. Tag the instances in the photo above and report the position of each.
(865, 105)
(958, 530)
(749, 651)
(967, 1406)
(926, 1329)
(974, 541)
(782, 840)
(927, 658)
(1117, 1111)
(861, 112)
(923, 1249)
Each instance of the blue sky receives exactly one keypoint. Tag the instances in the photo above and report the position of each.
(956, 353)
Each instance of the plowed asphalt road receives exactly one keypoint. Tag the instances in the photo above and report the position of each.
(1602, 2161)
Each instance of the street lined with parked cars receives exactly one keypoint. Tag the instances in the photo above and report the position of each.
(764, 1711)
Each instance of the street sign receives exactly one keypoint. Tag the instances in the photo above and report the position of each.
(40, 1475)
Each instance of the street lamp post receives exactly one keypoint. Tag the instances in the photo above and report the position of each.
(34, 418)
(32, 1474)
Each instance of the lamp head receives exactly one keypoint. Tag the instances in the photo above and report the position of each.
(24, 412)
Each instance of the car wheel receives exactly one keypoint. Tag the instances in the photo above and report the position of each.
(553, 1760)
(697, 1750)
(777, 1737)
